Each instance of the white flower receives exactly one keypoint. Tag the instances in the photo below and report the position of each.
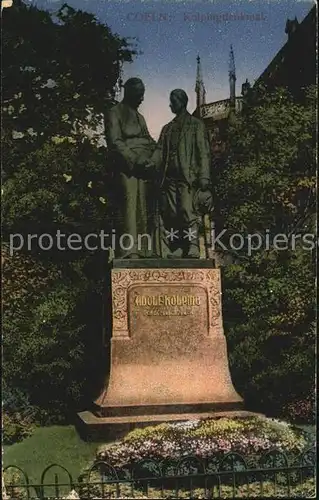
(190, 424)
(32, 132)
(50, 84)
(17, 135)
(67, 177)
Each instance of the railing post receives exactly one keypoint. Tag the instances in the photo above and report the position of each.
(56, 483)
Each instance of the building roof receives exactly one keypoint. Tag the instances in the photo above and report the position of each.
(294, 65)
(219, 110)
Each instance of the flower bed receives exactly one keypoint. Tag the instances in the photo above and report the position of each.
(154, 461)
(203, 438)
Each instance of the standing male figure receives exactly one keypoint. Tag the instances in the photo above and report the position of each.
(131, 146)
(183, 152)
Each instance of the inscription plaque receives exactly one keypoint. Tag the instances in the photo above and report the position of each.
(167, 305)
(157, 310)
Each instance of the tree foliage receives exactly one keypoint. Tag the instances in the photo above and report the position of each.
(51, 346)
(266, 188)
(59, 74)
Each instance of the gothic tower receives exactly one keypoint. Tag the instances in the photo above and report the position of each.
(199, 87)
(232, 78)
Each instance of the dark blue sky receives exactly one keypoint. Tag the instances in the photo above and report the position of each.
(171, 43)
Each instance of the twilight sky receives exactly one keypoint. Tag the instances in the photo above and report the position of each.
(174, 35)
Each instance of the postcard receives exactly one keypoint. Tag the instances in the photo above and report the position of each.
(159, 248)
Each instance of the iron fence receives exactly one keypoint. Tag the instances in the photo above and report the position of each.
(272, 474)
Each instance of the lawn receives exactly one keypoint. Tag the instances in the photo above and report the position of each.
(51, 445)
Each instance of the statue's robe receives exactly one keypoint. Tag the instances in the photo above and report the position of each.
(129, 141)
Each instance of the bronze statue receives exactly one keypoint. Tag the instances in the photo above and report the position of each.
(183, 155)
(131, 147)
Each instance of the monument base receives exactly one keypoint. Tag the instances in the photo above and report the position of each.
(93, 428)
(168, 350)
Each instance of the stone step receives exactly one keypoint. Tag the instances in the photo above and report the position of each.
(93, 428)
(167, 409)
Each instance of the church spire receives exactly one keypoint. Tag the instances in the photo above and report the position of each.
(200, 87)
(232, 77)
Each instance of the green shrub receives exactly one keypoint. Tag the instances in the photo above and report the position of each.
(302, 411)
(50, 334)
(11, 479)
(267, 187)
(15, 428)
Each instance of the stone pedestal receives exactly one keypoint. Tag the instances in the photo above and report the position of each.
(168, 353)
